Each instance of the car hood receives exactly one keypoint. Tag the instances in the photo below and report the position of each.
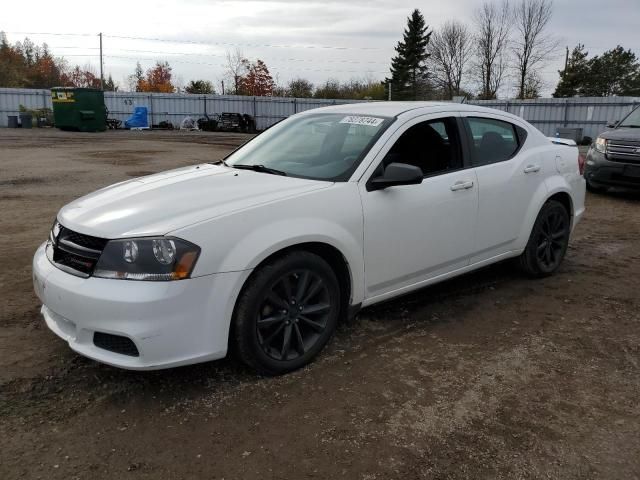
(628, 134)
(160, 203)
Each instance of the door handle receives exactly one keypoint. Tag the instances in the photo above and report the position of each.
(461, 185)
(532, 168)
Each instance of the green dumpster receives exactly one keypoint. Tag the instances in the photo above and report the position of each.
(80, 109)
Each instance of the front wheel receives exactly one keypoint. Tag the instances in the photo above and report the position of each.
(548, 242)
(286, 313)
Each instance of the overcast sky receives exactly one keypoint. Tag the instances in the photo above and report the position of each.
(312, 39)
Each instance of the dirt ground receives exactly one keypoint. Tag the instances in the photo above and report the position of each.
(491, 375)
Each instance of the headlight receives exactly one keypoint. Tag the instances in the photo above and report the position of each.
(155, 259)
(601, 145)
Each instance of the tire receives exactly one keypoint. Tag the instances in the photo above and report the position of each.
(595, 188)
(286, 313)
(548, 241)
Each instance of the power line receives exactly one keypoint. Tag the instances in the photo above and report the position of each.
(55, 34)
(222, 65)
(192, 54)
(197, 42)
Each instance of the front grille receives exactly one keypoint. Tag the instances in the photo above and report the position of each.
(75, 252)
(115, 343)
(627, 151)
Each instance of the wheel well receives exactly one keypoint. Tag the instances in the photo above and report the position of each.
(333, 257)
(565, 199)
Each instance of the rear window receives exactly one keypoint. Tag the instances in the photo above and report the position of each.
(493, 140)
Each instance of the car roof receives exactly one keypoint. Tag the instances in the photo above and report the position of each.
(394, 109)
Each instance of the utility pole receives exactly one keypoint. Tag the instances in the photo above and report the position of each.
(566, 63)
(101, 74)
(222, 87)
(389, 91)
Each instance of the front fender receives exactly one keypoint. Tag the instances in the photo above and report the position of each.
(242, 240)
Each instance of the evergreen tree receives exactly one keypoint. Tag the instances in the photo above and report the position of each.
(110, 85)
(573, 78)
(200, 86)
(616, 72)
(409, 78)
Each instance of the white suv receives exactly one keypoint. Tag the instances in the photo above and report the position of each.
(328, 211)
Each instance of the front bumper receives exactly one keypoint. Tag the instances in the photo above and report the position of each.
(170, 323)
(601, 171)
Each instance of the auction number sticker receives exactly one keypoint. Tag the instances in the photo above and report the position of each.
(358, 120)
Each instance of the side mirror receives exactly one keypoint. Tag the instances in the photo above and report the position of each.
(396, 174)
(612, 124)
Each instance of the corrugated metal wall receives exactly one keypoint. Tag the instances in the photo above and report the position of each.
(547, 114)
(172, 107)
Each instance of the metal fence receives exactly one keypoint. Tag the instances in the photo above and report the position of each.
(590, 114)
(172, 107)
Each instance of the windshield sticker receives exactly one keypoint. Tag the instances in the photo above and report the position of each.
(357, 120)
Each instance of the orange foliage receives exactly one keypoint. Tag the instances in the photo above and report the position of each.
(257, 81)
(157, 79)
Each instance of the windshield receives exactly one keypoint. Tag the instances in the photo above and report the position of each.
(326, 146)
(632, 120)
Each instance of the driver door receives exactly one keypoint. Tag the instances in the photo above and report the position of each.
(415, 233)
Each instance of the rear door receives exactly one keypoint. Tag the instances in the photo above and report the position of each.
(508, 176)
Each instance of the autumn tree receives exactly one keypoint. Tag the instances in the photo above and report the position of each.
(257, 81)
(81, 78)
(156, 79)
(451, 49)
(492, 27)
(46, 71)
(12, 64)
(27, 65)
(409, 79)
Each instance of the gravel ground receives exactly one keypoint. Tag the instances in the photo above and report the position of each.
(491, 375)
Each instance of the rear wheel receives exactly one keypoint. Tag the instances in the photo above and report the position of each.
(548, 242)
(287, 313)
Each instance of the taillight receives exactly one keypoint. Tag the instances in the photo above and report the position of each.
(581, 162)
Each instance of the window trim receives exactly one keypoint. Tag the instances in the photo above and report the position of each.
(520, 134)
(463, 149)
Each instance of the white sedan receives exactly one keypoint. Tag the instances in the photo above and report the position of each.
(329, 211)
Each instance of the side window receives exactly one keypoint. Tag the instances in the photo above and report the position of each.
(433, 146)
(493, 140)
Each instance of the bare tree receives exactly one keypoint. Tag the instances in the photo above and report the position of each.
(533, 85)
(531, 45)
(235, 68)
(451, 50)
(493, 24)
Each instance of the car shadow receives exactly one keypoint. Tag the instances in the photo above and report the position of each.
(622, 194)
(89, 379)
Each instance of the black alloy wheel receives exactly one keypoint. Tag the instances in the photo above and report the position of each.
(553, 236)
(293, 315)
(548, 242)
(286, 313)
